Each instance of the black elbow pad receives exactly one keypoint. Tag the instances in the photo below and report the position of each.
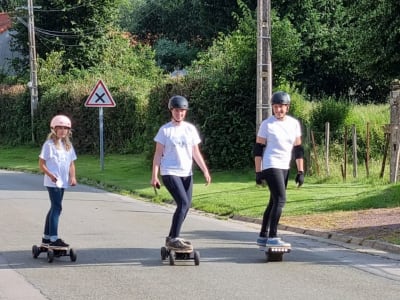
(258, 149)
(298, 151)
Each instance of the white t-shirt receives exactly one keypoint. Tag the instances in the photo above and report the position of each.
(280, 136)
(178, 141)
(58, 162)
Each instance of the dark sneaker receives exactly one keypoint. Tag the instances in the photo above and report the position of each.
(45, 241)
(168, 239)
(178, 244)
(187, 242)
(59, 243)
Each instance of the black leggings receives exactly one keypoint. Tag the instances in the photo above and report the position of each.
(180, 189)
(277, 180)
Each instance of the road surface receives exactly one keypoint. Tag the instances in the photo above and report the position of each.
(118, 240)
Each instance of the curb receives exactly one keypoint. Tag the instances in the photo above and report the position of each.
(338, 237)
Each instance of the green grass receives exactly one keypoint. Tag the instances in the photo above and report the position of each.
(231, 192)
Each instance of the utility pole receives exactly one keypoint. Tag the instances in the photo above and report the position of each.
(264, 65)
(33, 84)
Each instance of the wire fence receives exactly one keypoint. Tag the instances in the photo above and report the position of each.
(346, 152)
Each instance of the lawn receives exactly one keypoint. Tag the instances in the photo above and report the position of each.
(231, 192)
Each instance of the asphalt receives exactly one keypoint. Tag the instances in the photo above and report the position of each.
(13, 286)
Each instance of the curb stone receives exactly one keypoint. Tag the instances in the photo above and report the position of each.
(374, 244)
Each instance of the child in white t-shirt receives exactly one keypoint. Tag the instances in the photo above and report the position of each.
(177, 144)
(56, 161)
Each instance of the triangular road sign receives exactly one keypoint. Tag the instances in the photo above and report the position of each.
(100, 97)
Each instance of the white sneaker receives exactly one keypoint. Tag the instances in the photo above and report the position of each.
(277, 242)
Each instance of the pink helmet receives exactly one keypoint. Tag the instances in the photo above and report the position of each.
(60, 120)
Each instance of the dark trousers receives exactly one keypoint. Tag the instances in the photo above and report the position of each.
(277, 180)
(180, 189)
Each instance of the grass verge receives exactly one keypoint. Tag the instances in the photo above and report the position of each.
(232, 193)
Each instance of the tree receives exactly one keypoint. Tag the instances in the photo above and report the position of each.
(7, 5)
(221, 85)
(376, 40)
(189, 25)
(194, 21)
(320, 24)
(79, 29)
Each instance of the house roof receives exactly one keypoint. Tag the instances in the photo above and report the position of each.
(5, 22)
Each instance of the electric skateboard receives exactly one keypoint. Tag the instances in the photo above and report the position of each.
(174, 255)
(53, 251)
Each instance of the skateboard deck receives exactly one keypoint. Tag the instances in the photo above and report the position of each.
(53, 251)
(180, 255)
(275, 253)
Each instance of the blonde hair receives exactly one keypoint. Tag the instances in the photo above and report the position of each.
(66, 141)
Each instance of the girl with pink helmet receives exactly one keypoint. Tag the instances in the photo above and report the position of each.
(56, 161)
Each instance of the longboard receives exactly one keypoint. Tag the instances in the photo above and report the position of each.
(53, 251)
(180, 255)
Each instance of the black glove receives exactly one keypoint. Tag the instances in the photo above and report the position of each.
(259, 178)
(299, 178)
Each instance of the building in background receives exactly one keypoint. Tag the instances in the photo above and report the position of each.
(5, 49)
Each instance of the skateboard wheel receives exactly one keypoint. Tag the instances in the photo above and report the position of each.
(172, 259)
(196, 258)
(50, 256)
(35, 251)
(72, 254)
(164, 253)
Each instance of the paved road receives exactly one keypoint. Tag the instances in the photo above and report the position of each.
(118, 241)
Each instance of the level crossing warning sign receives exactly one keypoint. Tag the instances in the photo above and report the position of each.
(100, 96)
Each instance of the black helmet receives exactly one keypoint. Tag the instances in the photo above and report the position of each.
(178, 102)
(280, 98)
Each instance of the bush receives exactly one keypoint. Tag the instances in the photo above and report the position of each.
(15, 115)
(329, 110)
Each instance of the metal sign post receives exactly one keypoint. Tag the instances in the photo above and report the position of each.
(101, 138)
(100, 97)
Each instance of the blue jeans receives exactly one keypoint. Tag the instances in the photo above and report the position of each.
(51, 226)
(180, 189)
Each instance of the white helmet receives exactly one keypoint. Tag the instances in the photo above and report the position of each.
(60, 120)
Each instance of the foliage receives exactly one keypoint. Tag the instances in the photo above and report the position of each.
(332, 111)
(330, 59)
(129, 73)
(127, 14)
(221, 89)
(286, 50)
(8, 5)
(189, 24)
(194, 21)
(374, 118)
(310, 56)
(375, 40)
(15, 115)
(76, 29)
(222, 83)
(172, 56)
(320, 26)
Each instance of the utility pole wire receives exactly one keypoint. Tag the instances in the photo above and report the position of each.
(264, 65)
